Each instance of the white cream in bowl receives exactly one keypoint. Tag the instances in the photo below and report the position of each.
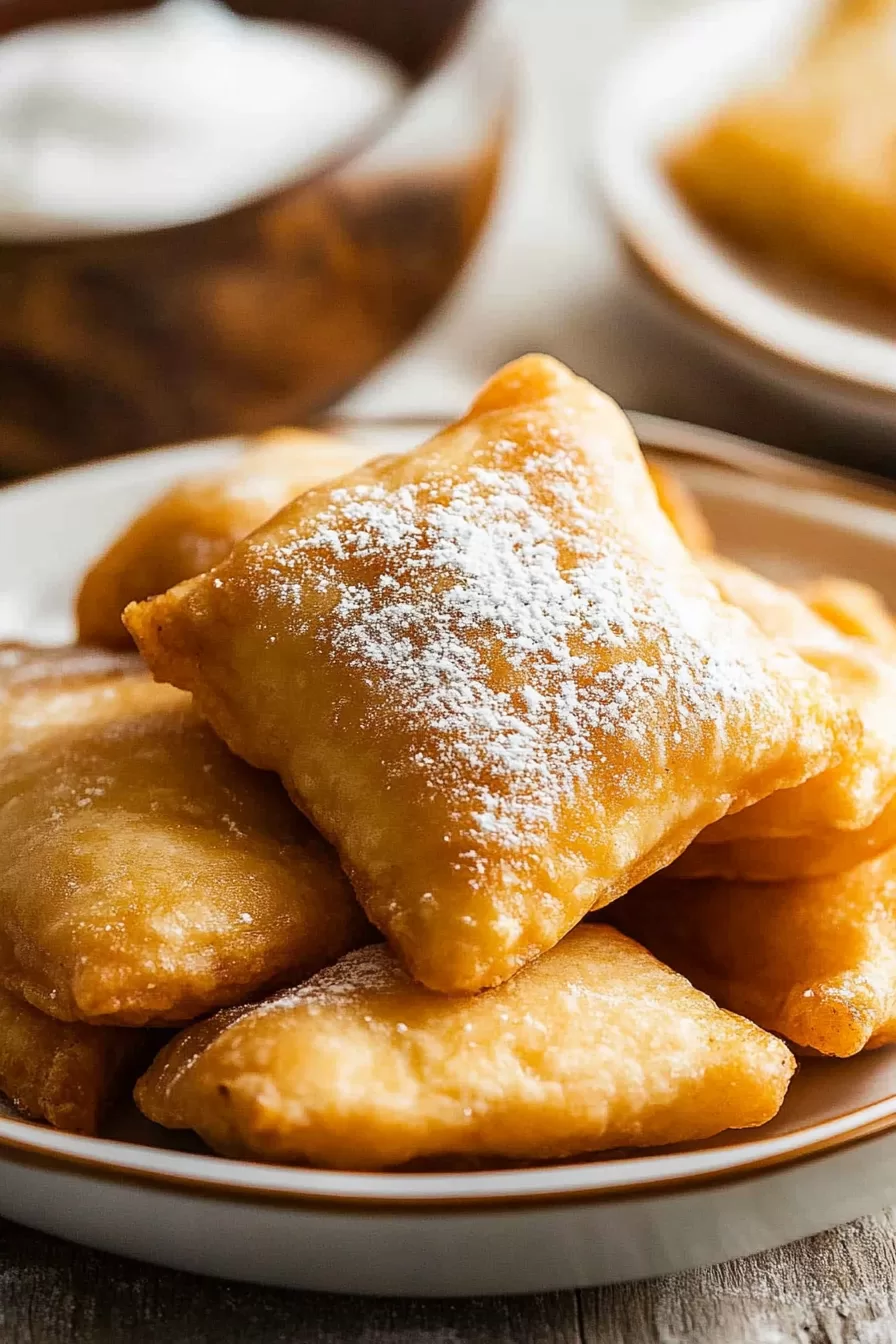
(171, 115)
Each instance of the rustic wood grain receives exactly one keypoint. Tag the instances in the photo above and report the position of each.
(837, 1288)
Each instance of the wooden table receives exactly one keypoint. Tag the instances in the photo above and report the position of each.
(837, 1288)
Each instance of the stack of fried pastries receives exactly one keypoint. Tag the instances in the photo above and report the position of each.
(505, 681)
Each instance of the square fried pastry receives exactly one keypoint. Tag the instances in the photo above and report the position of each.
(595, 1046)
(852, 793)
(492, 675)
(147, 875)
(196, 523)
(802, 169)
(814, 961)
(65, 1072)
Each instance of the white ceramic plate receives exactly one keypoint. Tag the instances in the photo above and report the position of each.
(829, 1156)
(838, 353)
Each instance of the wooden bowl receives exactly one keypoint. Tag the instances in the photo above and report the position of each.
(270, 311)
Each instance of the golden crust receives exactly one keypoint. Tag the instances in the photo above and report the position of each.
(852, 794)
(802, 169)
(148, 876)
(680, 506)
(779, 858)
(63, 1072)
(195, 524)
(814, 961)
(493, 677)
(43, 688)
(595, 1046)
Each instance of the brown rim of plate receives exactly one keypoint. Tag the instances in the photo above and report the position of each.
(20, 1146)
(657, 272)
(21, 1151)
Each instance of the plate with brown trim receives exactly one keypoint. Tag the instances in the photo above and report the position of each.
(829, 346)
(829, 1155)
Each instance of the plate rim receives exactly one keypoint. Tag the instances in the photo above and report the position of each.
(229, 1180)
(598, 1180)
(657, 266)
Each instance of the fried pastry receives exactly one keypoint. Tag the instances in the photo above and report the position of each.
(595, 1046)
(148, 876)
(852, 794)
(802, 169)
(814, 961)
(492, 675)
(854, 609)
(41, 688)
(778, 858)
(64, 1072)
(195, 524)
(680, 506)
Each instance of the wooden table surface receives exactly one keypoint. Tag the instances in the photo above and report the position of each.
(837, 1288)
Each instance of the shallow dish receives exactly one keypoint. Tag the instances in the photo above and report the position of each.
(834, 349)
(828, 1156)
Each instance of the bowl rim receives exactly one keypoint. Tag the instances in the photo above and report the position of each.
(25, 1143)
(346, 151)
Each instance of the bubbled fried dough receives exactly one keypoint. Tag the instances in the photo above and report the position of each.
(65, 1072)
(594, 1046)
(493, 677)
(814, 961)
(195, 524)
(148, 876)
(853, 792)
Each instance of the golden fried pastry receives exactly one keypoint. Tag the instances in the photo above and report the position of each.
(852, 794)
(148, 876)
(803, 169)
(814, 961)
(854, 609)
(195, 524)
(493, 677)
(595, 1046)
(778, 858)
(680, 506)
(23, 666)
(64, 1072)
(41, 688)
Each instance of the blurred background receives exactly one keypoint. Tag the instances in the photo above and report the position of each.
(281, 225)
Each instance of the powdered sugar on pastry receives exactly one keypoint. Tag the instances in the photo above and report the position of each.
(508, 570)
(493, 677)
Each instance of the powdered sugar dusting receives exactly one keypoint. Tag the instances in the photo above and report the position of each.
(368, 970)
(503, 614)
